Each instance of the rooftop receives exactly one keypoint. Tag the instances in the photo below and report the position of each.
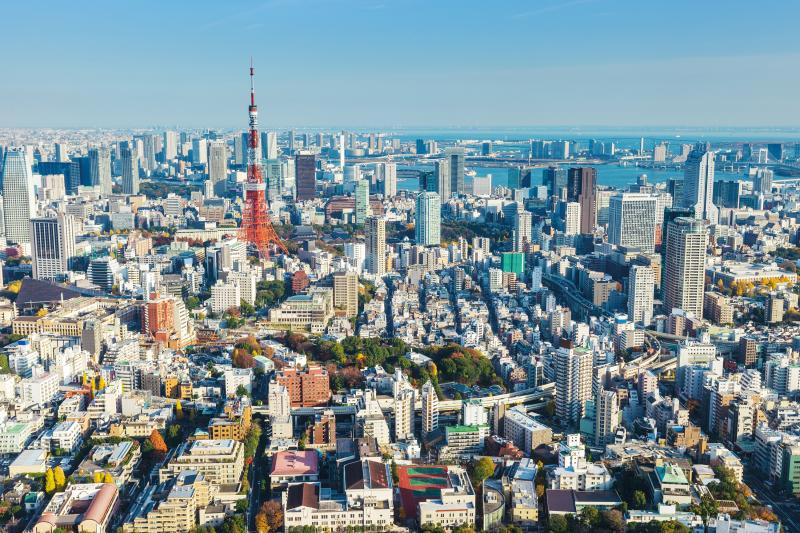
(295, 463)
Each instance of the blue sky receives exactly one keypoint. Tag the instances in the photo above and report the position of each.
(400, 63)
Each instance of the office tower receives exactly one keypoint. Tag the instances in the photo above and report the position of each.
(19, 204)
(170, 145)
(199, 151)
(455, 157)
(727, 193)
(684, 276)
(641, 282)
(218, 165)
(292, 142)
(430, 408)
(641, 145)
(147, 158)
(582, 188)
(240, 143)
(376, 246)
(572, 218)
(404, 415)
(698, 184)
(345, 292)
(606, 417)
(386, 175)
(660, 153)
(59, 153)
(762, 181)
(362, 201)
(428, 219)
(523, 230)
(52, 246)
(130, 169)
(555, 179)
(775, 152)
(100, 169)
(514, 177)
(632, 220)
(305, 175)
(420, 147)
(573, 381)
(341, 150)
(441, 173)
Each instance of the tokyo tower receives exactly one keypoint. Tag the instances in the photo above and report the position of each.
(256, 228)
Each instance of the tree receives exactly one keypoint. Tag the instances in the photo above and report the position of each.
(708, 508)
(101, 384)
(107, 478)
(558, 524)
(192, 302)
(271, 515)
(246, 308)
(97, 477)
(59, 478)
(639, 500)
(178, 409)
(49, 481)
(483, 468)
(157, 441)
(241, 391)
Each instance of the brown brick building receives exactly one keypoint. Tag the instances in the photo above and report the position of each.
(307, 388)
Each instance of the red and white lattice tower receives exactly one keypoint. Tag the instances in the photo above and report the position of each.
(256, 227)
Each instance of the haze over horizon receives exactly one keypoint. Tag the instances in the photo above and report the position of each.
(401, 65)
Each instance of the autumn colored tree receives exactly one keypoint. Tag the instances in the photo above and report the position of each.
(157, 442)
(107, 478)
(178, 409)
(483, 468)
(59, 478)
(101, 383)
(49, 481)
(271, 517)
(97, 477)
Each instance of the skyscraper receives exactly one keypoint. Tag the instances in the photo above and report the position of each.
(555, 179)
(430, 408)
(269, 142)
(582, 188)
(19, 204)
(428, 219)
(130, 169)
(455, 156)
(100, 169)
(606, 417)
(641, 282)
(698, 184)
(573, 381)
(52, 246)
(362, 201)
(441, 174)
(632, 220)
(523, 230)
(306, 175)
(572, 218)
(684, 276)
(376, 246)
(218, 165)
(170, 145)
(762, 181)
(240, 143)
(148, 155)
(199, 151)
(386, 175)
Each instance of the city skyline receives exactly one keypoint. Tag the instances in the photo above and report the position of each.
(344, 64)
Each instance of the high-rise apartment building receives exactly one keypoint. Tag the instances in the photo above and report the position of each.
(306, 175)
(441, 179)
(698, 184)
(430, 408)
(130, 169)
(762, 181)
(19, 204)
(573, 381)
(218, 165)
(428, 219)
(170, 145)
(199, 151)
(386, 176)
(523, 230)
(404, 415)
(52, 246)
(572, 218)
(684, 275)
(632, 220)
(641, 282)
(606, 417)
(376, 245)
(100, 169)
(307, 388)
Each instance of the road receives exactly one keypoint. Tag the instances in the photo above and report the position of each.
(255, 475)
(785, 508)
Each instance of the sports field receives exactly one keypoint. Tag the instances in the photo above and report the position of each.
(420, 483)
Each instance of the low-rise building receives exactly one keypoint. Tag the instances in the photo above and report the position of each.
(220, 461)
(85, 507)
